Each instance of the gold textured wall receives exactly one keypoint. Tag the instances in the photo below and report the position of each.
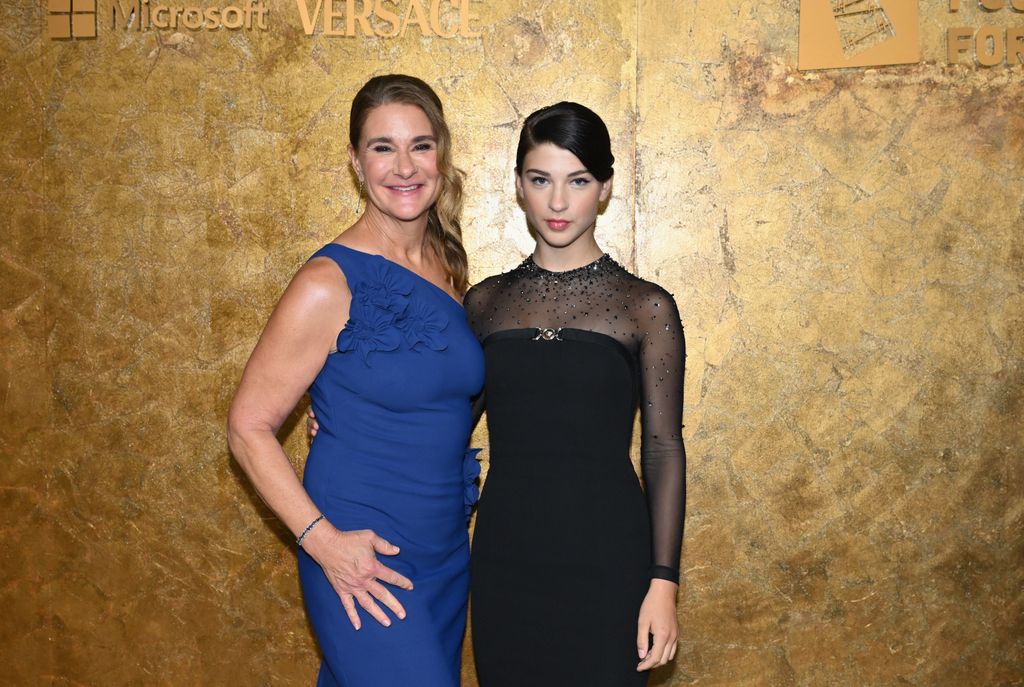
(846, 248)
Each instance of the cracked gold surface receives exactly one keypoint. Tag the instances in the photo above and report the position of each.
(846, 248)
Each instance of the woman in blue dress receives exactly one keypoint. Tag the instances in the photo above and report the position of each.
(373, 328)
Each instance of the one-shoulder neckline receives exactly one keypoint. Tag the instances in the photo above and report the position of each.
(403, 268)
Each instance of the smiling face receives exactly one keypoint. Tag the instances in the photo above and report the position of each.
(561, 197)
(396, 160)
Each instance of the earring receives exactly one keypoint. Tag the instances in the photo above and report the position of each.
(359, 197)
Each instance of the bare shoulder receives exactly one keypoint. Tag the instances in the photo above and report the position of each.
(318, 296)
(319, 280)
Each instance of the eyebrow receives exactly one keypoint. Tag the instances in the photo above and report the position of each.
(389, 140)
(546, 174)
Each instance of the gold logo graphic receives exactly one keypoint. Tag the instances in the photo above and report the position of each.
(858, 33)
(991, 45)
(862, 24)
(68, 19)
(149, 15)
(441, 18)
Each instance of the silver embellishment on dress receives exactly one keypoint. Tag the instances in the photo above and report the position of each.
(573, 275)
(548, 334)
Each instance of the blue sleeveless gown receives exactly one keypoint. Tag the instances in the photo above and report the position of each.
(395, 416)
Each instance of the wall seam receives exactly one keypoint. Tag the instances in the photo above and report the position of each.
(636, 129)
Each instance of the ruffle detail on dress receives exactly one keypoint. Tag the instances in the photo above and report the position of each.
(383, 315)
(470, 473)
(384, 289)
(370, 332)
(423, 325)
(368, 329)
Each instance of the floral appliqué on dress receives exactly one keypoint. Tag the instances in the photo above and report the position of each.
(383, 315)
(470, 472)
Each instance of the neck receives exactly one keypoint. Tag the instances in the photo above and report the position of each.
(580, 252)
(394, 238)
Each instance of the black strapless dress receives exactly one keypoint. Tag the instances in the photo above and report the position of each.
(563, 551)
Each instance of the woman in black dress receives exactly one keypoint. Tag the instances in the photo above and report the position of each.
(574, 572)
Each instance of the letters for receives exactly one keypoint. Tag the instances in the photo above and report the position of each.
(992, 45)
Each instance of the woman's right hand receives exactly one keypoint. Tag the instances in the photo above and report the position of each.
(349, 559)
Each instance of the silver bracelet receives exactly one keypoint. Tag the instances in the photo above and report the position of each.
(310, 526)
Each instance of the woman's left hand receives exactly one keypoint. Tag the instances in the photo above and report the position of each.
(312, 426)
(658, 619)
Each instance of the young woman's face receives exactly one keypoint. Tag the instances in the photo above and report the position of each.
(560, 195)
(397, 161)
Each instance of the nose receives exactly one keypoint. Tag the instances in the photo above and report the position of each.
(558, 201)
(404, 167)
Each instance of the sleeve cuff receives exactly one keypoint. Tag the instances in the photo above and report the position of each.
(663, 572)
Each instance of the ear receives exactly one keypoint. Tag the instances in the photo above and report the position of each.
(355, 163)
(606, 189)
(519, 185)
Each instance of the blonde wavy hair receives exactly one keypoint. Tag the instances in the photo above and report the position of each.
(444, 227)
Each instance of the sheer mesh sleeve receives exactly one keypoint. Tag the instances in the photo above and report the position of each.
(474, 303)
(662, 455)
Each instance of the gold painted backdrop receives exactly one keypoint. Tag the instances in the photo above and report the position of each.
(846, 249)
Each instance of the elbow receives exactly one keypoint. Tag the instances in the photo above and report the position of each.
(235, 442)
(249, 432)
(237, 435)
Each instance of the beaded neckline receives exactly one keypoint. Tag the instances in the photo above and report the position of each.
(532, 267)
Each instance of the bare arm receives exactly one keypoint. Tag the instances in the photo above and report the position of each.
(289, 355)
(284, 363)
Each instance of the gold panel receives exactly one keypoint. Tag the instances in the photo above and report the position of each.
(845, 248)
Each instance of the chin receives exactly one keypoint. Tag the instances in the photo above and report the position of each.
(407, 214)
(558, 240)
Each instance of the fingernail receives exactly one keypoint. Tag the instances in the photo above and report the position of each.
(643, 653)
(401, 616)
(387, 623)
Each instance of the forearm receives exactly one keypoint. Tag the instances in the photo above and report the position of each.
(664, 469)
(264, 462)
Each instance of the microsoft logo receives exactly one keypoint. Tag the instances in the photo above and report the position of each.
(67, 19)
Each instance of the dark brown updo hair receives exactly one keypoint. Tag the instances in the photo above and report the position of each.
(444, 229)
(572, 127)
